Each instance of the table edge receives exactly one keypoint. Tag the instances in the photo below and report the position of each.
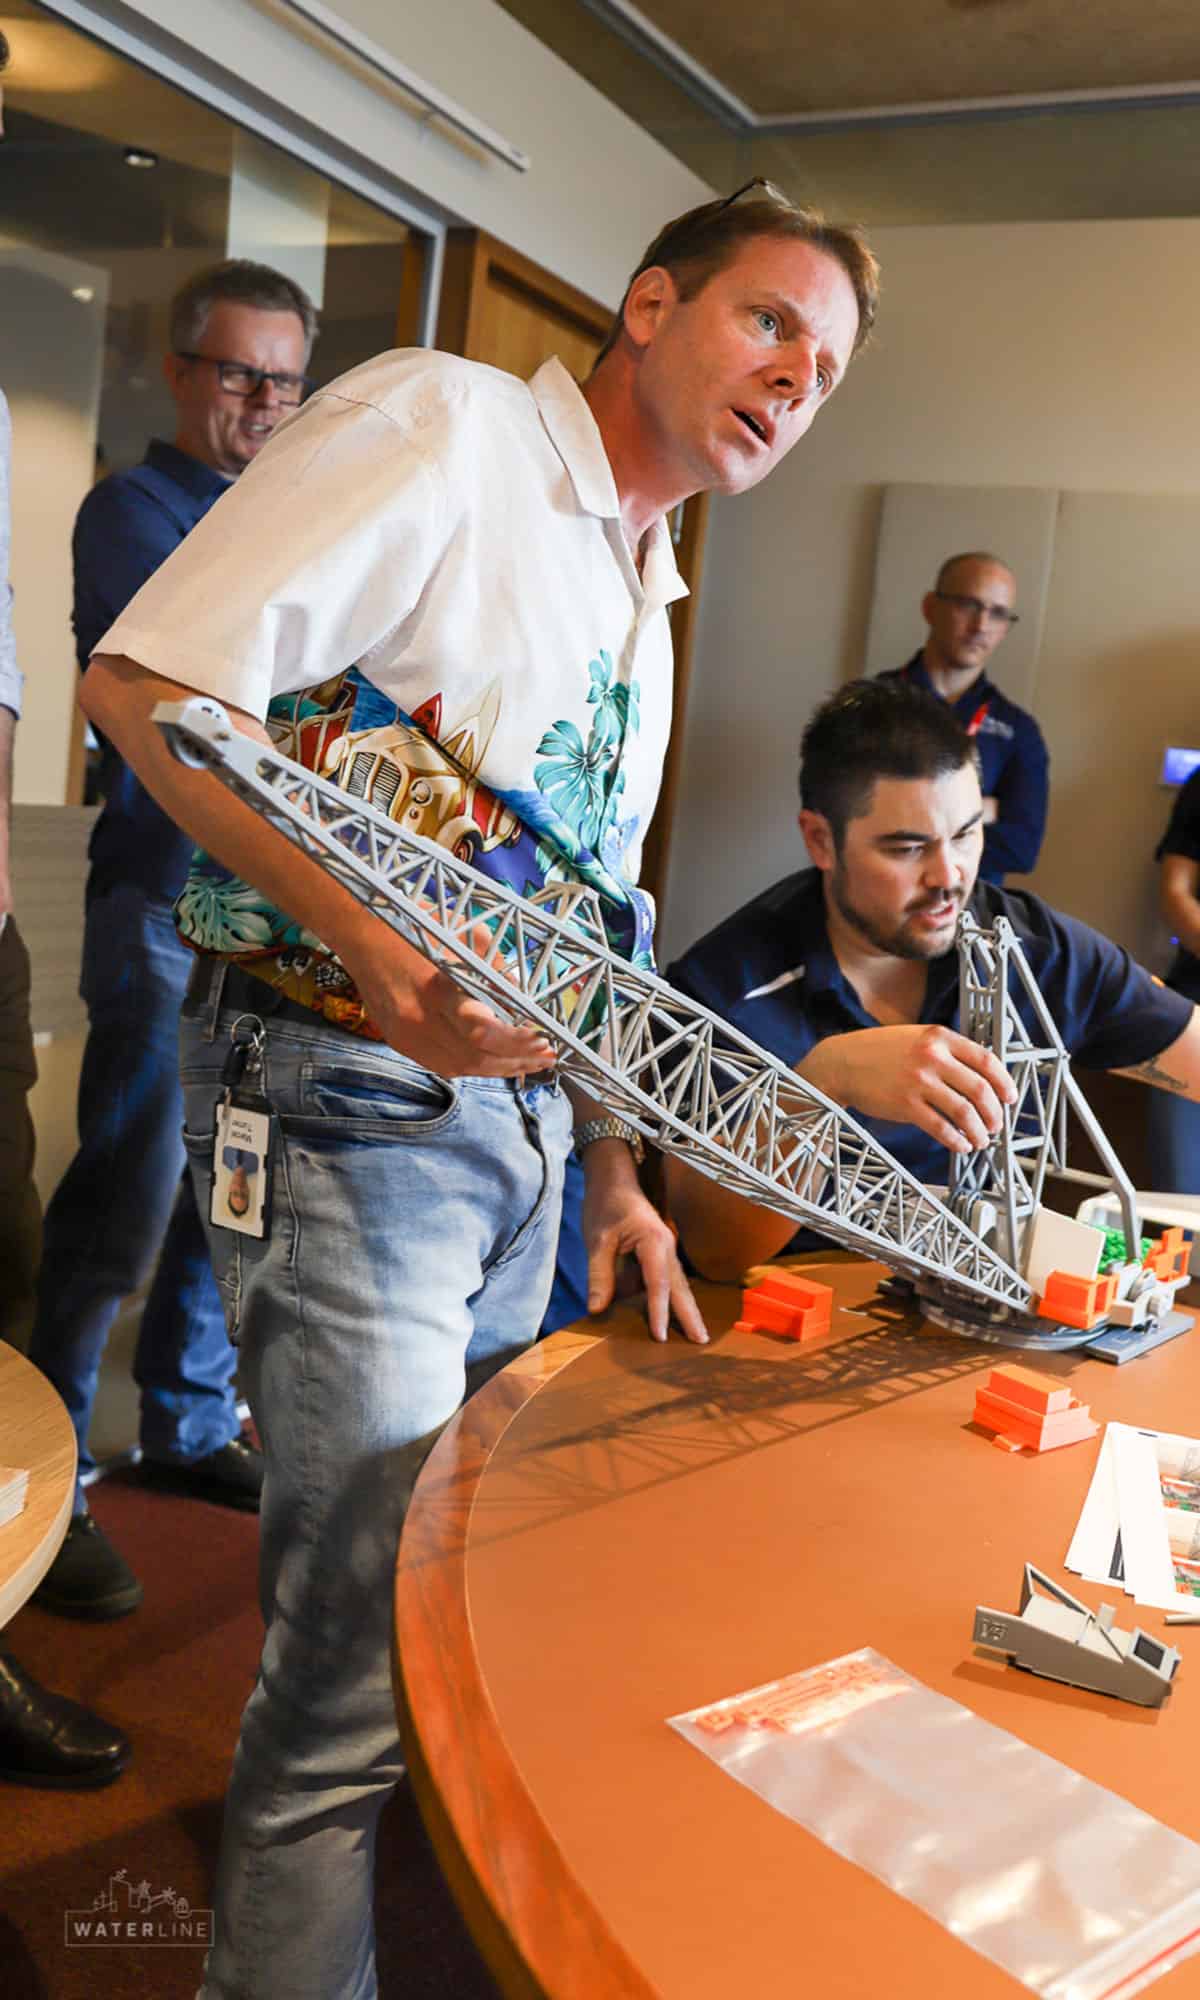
(539, 1934)
(17, 1588)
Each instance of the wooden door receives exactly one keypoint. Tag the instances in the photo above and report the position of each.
(500, 307)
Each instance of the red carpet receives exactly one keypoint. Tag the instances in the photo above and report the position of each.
(174, 1675)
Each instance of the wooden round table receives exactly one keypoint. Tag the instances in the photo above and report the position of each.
(36, 1434)
(615, 1531)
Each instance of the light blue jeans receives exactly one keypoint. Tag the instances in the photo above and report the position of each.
(410, 1254)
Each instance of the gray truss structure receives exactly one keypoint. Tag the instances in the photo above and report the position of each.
(692, 1084)
(1010, 1173)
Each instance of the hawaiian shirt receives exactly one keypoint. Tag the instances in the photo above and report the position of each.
(423, 586)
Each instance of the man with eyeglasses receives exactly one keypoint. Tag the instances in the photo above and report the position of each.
(457, 608)
(240, 337)
(968, 612)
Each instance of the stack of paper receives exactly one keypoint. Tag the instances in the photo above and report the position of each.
(1140, 1525)
(12, 1492)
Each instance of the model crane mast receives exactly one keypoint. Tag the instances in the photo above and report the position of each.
(692, 1084)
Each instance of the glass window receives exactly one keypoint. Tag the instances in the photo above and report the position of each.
(116, 188)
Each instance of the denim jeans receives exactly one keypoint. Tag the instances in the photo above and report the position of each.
(409, 1255)
(126, 1193)
(569, 1292)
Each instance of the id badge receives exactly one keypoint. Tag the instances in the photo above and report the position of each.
(240, 1162)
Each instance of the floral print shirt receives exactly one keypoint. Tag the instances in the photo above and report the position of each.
(441, 615)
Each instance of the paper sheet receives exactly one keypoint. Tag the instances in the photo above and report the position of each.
(1140, 1523)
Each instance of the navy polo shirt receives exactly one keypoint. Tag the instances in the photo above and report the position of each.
(1016, 768)
(1183, 837)
(126, 528)
(770, 971)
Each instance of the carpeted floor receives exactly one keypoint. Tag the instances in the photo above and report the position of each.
(174, 1675)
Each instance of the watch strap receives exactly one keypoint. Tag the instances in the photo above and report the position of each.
(609, 1128)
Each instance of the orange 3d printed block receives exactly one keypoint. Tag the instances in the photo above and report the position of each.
(1167, 1256)
(787, 1303)
(1075, 1301)
(1025, 1408)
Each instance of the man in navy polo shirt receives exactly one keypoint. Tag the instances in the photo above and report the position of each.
(848, 970)
(240, 334)
(969, 611)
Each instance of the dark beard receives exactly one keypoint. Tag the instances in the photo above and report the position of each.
(898, 943)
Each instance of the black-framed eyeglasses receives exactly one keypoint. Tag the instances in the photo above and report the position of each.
(991, 614)
(239, 379)
(769, 189)
(680, 238)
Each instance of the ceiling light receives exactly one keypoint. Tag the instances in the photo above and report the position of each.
(139, 156)
(84, 293)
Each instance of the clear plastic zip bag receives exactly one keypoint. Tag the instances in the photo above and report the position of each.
(1069, 1888)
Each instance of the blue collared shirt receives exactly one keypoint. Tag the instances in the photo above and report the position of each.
(1016, 769)
(770, 971)
(127, 526)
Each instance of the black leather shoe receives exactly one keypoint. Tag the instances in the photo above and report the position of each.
(47, 1740)
(88, 1579)
(232, 1477)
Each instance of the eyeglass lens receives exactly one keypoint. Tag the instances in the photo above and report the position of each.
(239, 379)
(992, 614)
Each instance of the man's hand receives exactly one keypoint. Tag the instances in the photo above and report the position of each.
(618, 1220)
(928, 1076)
(421, 1012)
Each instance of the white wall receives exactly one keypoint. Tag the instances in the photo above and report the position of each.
(598, 188)
(51, 354)
(1043, 354)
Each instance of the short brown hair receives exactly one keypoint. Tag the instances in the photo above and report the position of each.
(244, 283)
(697, 245)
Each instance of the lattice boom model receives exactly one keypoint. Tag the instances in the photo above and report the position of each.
(692, 1084)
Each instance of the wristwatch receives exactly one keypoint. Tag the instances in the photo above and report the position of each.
(609, 1128)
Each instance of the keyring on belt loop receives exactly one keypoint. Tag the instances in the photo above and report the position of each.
(257, 1037)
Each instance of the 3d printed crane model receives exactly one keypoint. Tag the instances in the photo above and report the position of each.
(693, 1085)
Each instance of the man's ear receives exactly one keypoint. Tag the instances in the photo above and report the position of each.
(648, 303)
(927, 603)
(818, 838)
(173, 371)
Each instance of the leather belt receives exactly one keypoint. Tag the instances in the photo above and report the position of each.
(246, 994)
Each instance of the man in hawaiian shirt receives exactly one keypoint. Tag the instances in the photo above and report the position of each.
(457, 608)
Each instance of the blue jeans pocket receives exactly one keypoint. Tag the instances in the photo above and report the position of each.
(340, 1100)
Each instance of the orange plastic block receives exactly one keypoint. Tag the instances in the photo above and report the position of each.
(1027, 1386)
(1167, 1256)
(786, 1303)
(1081, 1302)
(1025, 1408)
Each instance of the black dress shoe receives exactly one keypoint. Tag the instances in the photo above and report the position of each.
(232, 1476)
(47, 1740)
(88, 1578)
